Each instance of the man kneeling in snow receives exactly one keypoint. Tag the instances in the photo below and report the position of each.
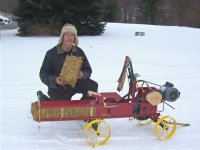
(55, 70)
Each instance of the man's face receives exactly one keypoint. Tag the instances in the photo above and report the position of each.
(68, 38)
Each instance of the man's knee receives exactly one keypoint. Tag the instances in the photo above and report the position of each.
(93, 86)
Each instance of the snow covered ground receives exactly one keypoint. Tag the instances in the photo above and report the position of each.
(163, 54)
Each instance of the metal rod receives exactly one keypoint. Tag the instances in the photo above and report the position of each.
(168, 105)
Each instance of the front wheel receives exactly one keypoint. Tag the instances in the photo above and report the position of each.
(97, 132)
(165, 128)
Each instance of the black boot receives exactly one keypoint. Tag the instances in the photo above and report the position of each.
(42, 97)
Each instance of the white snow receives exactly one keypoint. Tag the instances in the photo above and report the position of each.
(163, 54)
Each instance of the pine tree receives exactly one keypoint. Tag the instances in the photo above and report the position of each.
(86, 15)
(146, 11)
(33, 17)
(111, 10)
(46, 17)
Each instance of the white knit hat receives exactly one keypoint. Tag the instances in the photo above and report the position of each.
(68, 28)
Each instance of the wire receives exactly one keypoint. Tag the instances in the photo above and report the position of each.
(150, 83)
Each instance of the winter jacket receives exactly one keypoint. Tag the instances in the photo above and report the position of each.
(53, 63)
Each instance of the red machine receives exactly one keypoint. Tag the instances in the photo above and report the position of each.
(139, 103)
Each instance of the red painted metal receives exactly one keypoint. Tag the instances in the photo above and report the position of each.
(110, 105)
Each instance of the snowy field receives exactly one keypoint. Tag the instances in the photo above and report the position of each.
(163, 54)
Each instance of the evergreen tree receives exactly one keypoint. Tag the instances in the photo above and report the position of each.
(111, 10)
(86, 15)
(146, 11)
(33, 17)
(46, 17)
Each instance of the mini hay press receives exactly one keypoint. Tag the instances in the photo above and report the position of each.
(139, 103)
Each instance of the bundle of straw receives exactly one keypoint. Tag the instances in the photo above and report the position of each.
(61, 113)
(70, 70)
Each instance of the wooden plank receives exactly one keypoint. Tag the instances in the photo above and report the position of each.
(123, 74)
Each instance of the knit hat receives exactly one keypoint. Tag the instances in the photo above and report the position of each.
(68, 28)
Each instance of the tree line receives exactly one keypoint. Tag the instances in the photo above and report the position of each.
(161, 12)
(46, 17)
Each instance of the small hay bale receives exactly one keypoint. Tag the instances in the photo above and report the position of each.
(61, 113)
(70, 70)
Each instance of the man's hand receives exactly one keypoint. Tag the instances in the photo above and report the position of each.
(58, 81)
(80, 75)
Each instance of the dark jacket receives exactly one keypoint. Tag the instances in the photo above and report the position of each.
(53, 63)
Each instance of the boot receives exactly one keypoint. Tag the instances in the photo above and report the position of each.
(42, 97)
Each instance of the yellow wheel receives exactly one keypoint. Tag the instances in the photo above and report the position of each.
(164, 128)
(97, 132)
(144, 122)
